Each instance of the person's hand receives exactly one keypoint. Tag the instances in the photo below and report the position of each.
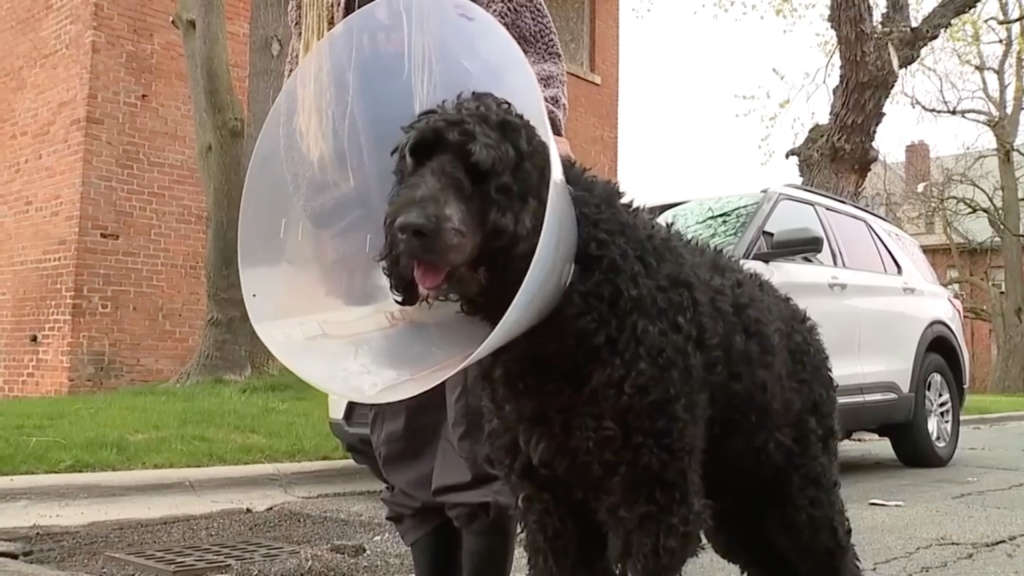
(563, 147)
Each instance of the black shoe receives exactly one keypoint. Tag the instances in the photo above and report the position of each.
(436, 553)
(489, 545)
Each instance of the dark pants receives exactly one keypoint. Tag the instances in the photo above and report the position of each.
(429, 451)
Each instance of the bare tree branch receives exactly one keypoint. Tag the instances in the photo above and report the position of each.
(976, 115)
(1018, 69)
(930, 27)
(1008, 22)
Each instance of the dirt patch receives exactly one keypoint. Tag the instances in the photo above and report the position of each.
(342, 536)
(338, 537)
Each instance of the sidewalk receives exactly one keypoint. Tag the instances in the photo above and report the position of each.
(989, 419)
(15, 568)
(74, 499)
(124, 483)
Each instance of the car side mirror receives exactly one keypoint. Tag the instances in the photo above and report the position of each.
(791, 243)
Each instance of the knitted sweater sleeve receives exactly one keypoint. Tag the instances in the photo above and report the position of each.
(528, 21)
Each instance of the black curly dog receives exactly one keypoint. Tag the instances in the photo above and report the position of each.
(670, 392)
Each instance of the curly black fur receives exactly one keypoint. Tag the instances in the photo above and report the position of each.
(669, 392)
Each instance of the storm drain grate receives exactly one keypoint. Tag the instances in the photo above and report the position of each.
(198, 559)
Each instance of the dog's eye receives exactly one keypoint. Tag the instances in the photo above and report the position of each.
(477, 175)
(420, 149)
(416, 152)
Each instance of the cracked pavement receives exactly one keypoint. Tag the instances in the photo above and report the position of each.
(966, 519)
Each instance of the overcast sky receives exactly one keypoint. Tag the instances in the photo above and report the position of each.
(681, 124)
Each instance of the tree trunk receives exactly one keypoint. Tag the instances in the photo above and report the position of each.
(269, 35)
(836, 157)
(1008, 376)
(229, 347)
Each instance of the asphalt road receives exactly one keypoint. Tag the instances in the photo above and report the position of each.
(966, 519)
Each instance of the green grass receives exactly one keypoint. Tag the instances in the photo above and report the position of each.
(978, 404)
(277, 419)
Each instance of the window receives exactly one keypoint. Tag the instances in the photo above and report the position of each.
(912, 250)
(574, 23)
(859, 248)
(891, 267)
(997, 278)
(793, 214)
(953, 273)
(929, 221)
(717, 222)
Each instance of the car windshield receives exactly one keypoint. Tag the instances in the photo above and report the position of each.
(718, 222)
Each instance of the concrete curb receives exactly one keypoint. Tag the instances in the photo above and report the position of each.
(285, 476)
(126, 483)
(985, 419)
(15, 568)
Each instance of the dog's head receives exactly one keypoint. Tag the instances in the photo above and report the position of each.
(462, 223)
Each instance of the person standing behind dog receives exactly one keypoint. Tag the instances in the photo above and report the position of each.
(452, 511)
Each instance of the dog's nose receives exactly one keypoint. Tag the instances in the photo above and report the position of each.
(415, 226)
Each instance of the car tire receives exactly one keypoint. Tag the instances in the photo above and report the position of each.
(921, 443)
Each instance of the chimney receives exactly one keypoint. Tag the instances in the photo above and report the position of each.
(917, 166)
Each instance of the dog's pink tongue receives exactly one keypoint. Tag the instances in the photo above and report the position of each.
(428, 276)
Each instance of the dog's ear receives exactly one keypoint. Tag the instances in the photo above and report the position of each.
(490, 150)
(401, 282)
(496, 134)
(417, 147)
(423, 137)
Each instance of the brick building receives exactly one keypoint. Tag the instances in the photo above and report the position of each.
(101, 215)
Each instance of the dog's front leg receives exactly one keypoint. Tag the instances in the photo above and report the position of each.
(656, 507)
(662, 526)
(562, 537)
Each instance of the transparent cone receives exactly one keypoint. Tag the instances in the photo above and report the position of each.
(313, 207)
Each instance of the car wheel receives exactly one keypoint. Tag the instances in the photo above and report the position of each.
(930, 439)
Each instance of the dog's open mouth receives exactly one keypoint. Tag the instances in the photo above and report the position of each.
(431, 278)
(442, 283)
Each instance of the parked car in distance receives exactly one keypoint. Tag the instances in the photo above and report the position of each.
(894, 334)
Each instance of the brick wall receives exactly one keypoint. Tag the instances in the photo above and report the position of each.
(101, 243)
(140, 275)
(101, 215)
(44, 76)
(593, 129)
(978, 333)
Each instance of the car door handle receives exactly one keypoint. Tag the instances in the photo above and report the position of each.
(908, 289)
(836, 284)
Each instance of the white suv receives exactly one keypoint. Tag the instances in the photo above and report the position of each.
(894, 334)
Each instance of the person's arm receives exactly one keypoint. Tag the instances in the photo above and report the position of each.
(529, 22)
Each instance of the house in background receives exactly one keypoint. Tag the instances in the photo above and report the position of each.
(102, 221)
(943, 202)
